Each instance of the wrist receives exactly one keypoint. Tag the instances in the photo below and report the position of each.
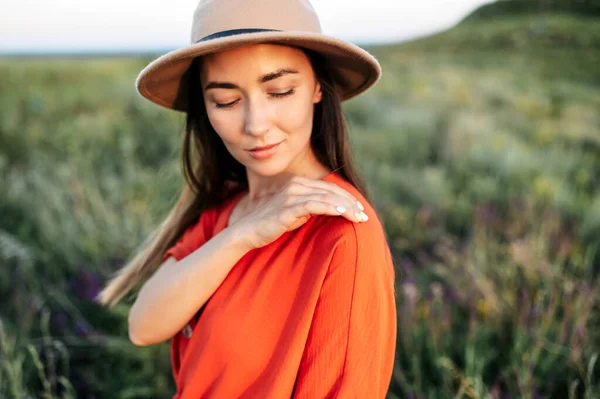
(238, 238)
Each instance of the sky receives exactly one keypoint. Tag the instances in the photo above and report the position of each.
(135, 25)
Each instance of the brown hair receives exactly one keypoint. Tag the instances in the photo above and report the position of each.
(212, 174)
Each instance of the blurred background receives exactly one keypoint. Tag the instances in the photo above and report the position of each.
(481, 144)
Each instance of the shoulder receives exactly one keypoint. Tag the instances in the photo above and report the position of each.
(194, 235)
(358, 252)
(203, 226)
(365, 241)
(371, 230)
(365, 238)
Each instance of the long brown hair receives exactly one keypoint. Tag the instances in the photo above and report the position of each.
(212, 174)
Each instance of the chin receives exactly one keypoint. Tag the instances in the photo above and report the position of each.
(267, 169)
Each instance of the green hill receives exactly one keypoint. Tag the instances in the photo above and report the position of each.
(511, 8)
(560, 45)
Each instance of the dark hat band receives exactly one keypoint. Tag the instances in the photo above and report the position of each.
(232, 32)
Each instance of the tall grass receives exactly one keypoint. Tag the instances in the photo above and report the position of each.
(482, 145)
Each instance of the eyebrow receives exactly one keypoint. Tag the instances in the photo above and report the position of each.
(262, 79)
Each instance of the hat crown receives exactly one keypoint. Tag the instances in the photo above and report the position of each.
(212, 16)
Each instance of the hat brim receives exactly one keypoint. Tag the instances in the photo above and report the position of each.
(354, 69)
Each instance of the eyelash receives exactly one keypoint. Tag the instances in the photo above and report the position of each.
(276, 95)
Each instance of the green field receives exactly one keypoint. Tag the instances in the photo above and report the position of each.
(481, 146)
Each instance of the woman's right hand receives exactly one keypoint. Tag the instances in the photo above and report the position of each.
(292, 206)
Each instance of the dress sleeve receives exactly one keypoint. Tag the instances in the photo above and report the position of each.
(350, 349)
(192, 238)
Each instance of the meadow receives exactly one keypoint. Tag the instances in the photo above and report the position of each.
(480, 144)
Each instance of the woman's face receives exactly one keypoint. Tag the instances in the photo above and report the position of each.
(260, 95)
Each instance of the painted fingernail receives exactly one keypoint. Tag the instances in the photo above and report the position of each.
(364, 216)
(341, 209)
(362, 208)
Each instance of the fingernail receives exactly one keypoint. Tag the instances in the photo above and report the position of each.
(364, 216)
(341, 209)
(362, 208)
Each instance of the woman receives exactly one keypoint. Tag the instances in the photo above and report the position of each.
(271, 276)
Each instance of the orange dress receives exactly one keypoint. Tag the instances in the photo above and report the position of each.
(311, 315)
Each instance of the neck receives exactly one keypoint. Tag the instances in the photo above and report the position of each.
(261, 187)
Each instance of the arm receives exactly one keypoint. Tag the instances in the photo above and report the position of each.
(351, 344)
(179, 288)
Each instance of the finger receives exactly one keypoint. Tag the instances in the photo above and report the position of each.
(316, 207)
(323, 185)
(350, 210)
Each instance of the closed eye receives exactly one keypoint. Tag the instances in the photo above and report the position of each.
(219, 105)
(287, 93)
(276, 95)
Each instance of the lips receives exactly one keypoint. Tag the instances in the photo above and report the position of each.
(263, 148)
(264, 152)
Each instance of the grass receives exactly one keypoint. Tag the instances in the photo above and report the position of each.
(482, 144)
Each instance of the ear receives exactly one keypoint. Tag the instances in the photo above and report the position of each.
(318, 95)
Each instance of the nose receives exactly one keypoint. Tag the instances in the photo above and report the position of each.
(257, 117)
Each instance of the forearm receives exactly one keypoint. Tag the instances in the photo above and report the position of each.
(177, 290)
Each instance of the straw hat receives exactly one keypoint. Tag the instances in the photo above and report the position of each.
(224, 24)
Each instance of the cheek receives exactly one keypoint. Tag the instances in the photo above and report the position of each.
(296, 118)
(226, 126)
